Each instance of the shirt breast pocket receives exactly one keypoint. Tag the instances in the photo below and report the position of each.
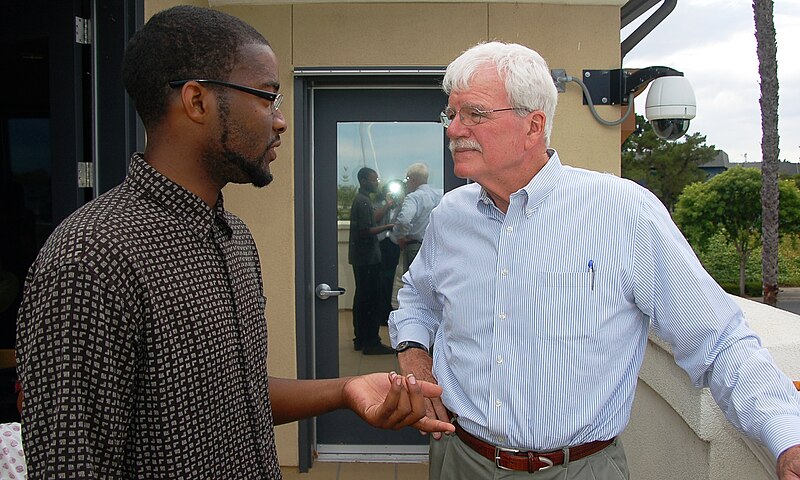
(566, 305)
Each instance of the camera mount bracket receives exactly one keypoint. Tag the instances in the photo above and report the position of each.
(614, 87)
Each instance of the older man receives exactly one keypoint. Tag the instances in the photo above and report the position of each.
(538, 284)
(412, 219)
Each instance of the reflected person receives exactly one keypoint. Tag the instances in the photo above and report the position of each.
(412, 219)
(365, 257)
(390, 251)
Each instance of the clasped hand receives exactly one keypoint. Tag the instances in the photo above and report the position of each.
(393, 401)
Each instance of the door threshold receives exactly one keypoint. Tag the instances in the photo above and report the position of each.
(372, 453)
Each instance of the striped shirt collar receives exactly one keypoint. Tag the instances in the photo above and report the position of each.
(537, 189)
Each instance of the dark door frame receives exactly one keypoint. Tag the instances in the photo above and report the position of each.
(118, 129)
(70, 86)
(92, 119)
(306, 79)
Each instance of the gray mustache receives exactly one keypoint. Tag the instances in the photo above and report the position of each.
(464, 143)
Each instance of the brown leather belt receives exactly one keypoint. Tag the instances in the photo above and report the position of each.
(526, 461)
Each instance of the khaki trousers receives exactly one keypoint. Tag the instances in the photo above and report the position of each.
(451, 459)
(409, 254)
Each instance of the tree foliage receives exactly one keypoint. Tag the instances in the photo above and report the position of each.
(344, 200)
(730, 204)
(793, 178)
(662, 166)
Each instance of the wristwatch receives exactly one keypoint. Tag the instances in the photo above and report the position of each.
(403, 346)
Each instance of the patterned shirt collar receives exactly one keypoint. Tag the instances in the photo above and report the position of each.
(184, 205)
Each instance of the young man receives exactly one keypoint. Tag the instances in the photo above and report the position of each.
(364, 255)
(142, 335)
(538, 284)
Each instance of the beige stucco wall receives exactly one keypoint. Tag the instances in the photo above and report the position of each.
(572, 37)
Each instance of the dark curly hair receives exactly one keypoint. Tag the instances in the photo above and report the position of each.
(363, 173)
(177, 44)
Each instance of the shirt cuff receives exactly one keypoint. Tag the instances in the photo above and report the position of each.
(412, 333)
(781, 432)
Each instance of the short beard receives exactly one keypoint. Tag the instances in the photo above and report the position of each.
(249, 172)
(229, 166)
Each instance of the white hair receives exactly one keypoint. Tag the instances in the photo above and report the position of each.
(527, 78)
(418, 171)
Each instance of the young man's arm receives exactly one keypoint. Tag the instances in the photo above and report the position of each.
(76, 349)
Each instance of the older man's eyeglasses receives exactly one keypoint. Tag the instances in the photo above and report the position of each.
(275, 98)
(470, 116)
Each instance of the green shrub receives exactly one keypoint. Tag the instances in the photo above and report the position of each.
(722, 262)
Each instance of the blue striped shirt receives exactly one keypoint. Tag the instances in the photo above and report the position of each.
(536, 349)
(412, 220)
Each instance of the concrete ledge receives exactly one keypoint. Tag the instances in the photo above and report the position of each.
(677, 431)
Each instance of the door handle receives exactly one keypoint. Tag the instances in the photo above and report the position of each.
(324, 291)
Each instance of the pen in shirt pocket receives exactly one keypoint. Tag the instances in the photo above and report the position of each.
(590, 271)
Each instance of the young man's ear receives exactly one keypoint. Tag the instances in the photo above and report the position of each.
(196, 101)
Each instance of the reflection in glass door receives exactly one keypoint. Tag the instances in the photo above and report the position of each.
(389, 148)
(386, 129)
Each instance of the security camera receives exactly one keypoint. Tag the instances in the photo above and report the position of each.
(669, 107)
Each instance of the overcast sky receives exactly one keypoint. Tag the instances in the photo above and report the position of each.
(389, 148)
(713, 43)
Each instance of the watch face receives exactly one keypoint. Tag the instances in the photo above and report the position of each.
(402, 346)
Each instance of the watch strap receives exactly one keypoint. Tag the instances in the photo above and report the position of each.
(403, 346)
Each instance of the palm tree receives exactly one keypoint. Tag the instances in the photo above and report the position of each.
(766, 48)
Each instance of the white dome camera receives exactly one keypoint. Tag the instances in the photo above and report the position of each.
(670, 106)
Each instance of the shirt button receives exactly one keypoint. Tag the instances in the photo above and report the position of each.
(504, 272)
(502, 316)
(509, 229)
(499, 359)
(529, 212)
(499, 438)
(498, 403)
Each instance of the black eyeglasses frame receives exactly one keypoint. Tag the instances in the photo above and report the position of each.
(275, 98)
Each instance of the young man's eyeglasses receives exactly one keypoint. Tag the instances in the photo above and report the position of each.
(275, 98)
(470, 116)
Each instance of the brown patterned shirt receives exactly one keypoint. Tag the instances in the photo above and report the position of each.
(142, 342)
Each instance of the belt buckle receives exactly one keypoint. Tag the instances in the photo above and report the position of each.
(498, 451)
(548, 463)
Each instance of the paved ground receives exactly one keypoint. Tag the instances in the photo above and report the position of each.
(788, 299)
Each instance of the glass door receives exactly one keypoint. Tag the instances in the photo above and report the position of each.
(386, 129)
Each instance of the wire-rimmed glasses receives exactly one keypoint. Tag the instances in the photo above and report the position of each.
(470, 116)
